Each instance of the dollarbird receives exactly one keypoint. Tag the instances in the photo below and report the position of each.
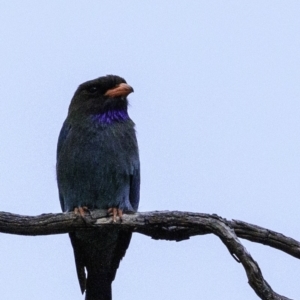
(98, 168)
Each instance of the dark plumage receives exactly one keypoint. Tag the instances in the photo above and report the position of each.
(98, 167)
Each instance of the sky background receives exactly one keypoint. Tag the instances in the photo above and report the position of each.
(217, 110)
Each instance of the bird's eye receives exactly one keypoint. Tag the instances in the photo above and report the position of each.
(93, 89)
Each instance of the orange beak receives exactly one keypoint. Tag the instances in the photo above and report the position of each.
(121, 90)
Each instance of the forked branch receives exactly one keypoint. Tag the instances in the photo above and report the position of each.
(167, 225)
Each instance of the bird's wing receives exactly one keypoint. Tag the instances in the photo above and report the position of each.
(134, 193)
(120, 250)
(79, 261)
(134, 198)
(61, 139)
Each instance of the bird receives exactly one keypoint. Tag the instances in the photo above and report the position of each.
(98, 167)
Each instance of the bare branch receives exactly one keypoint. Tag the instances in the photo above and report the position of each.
(168, 226)
(265, 236)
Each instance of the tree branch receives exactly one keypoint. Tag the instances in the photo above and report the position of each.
(167, 225)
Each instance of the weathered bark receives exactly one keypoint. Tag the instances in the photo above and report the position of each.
(167, 225)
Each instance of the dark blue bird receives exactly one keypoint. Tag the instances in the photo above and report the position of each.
(98, 167)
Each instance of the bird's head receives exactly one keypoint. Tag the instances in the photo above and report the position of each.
(101, 97)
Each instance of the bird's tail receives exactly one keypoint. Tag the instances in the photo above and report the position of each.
(98, 285)
(99, 252)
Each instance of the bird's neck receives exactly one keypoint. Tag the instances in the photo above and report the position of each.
(111, 116)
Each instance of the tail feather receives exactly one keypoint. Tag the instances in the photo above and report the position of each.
(98, 286)
(99, 253)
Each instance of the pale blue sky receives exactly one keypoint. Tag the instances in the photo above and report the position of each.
(217, 110)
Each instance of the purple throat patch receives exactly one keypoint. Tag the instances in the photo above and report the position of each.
(111, 116)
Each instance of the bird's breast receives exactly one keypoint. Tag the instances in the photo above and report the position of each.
(95, 164)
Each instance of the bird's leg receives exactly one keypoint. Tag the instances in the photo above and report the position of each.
(81, 210)
(115, 212)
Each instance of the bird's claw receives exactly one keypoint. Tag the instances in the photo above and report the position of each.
(81, 210)
(115, 212)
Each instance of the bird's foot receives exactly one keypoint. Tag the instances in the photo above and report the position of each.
(81, 210)
(115, 212)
